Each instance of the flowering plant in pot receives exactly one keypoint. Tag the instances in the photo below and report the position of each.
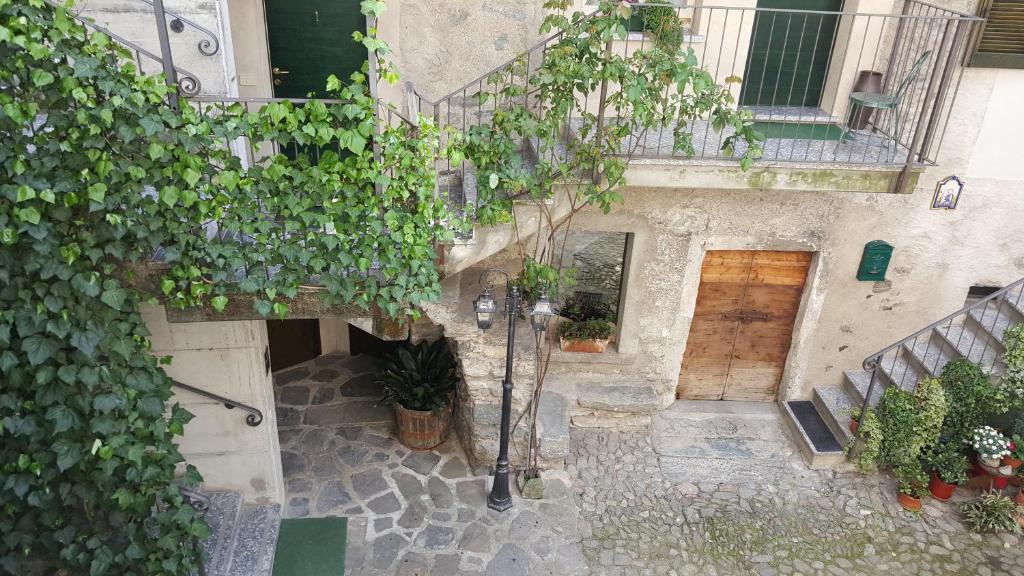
(949, 466)
(991, 512)
(1016, 456)
(420, 382)
(990, 445)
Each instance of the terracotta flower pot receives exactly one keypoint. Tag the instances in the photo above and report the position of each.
(1019, 498)
(853, 424)
(939, 489)
(588, 346)
(423, 429)
(1000, 482)
(1012, 462)
(990, 462)
(909, 502)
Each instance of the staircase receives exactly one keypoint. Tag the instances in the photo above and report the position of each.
(243, 537)
(822, 425)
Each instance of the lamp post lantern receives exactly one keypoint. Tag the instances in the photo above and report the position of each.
(485, 308)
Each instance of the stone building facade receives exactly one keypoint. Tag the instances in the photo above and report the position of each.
(675, 212)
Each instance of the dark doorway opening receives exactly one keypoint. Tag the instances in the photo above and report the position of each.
(292, 342)
(362, 342)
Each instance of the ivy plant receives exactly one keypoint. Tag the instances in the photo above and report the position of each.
(100, 177)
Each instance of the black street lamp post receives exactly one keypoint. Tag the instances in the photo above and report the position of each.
(484, 306)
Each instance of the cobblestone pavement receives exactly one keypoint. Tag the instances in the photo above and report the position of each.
(725, 494)
(410, 513)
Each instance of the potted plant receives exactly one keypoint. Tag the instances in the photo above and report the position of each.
(1016, 456)
(866, 444)
(586, 324)
(991, 512)
(949, 465)
(912, 485)
(990, 445)
(419, 381)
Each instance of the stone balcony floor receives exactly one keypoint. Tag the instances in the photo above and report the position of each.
(709, 488)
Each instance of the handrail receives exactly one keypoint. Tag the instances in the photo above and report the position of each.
(254, 416)
(207, 46)
(188, 82)
(873, 362)
(213, 99)
(965, 310)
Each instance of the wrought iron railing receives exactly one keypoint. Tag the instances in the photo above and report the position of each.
(974, 332)
(176, 22)
(253, 417)
(796, 71)
(186, 82)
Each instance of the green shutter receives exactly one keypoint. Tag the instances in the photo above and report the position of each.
(1002, 39)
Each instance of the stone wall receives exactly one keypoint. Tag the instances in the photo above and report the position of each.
(224, 358)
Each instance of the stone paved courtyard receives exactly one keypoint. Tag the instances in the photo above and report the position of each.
(705, 491)
(709, 488)
(410, 513)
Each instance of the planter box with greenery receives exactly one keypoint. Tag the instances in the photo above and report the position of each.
(586, 325)
(420, 382)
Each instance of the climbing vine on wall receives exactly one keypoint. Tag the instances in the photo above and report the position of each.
(99, 177)
(539, 99)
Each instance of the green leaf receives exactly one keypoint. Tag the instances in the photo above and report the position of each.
(30, 215)
(114, 298)
(151, 405)
(39, 348)
(40, 77)
(492, 181)
(169, 195)
(156, 150)
(63, 417)
(191, 176)
(97, 192)
(219, 302)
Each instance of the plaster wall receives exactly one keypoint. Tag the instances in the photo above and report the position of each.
(224, 358)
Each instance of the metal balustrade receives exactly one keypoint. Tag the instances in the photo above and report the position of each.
(793, 71)
(974, 332)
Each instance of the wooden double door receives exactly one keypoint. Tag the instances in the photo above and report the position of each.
(742, 325)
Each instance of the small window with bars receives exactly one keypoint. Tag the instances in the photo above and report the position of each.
(1001, 44)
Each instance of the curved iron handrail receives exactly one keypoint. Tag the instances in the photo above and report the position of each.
(254, 416)
(188, 82)
(873, 362)
(176, 23)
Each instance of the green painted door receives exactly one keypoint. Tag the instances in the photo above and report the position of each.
(310, 40)
(789, 53)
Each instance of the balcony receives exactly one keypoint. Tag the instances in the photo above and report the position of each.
(868, 88)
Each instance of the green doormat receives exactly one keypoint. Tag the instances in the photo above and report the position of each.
(311, 547)
(799, 130)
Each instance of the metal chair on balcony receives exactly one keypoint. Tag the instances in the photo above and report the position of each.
(875, 101)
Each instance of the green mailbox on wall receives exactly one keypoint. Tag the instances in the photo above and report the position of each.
(874, 262)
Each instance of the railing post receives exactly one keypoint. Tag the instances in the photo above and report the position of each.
(371, 26)
(871, 365)
(170, 75)
(901, 21)
(915, 143)
(940, 96)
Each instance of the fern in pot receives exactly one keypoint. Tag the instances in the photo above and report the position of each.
(419, 381)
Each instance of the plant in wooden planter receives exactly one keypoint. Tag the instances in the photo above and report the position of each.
(588, 325)
(419, 381)
(948, 465)
(585, 336)
(991, 512)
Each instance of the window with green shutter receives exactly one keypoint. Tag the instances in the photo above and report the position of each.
(1001, 44)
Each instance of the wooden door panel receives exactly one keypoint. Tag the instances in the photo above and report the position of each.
(742, 324)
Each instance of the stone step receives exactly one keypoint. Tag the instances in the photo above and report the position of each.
(835, 407)
(553, 426)
(969, 344)
(896, 370)
(222, 517)
(932, 354)
(1015, 303)
(818, 446)
(992, 320)
(636, 397)
(855, 384)
(255, 541)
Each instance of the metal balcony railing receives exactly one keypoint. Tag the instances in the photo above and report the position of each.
(795, 71)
